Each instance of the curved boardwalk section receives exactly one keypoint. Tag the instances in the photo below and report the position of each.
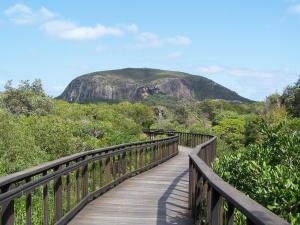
(158, 196)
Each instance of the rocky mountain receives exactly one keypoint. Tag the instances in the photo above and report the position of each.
(137, 84)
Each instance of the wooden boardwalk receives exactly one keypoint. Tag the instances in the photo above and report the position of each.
(156, 197)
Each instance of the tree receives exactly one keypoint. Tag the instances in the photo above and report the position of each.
(273, 101)
(27, 99)
(291, 99)
(231, 131)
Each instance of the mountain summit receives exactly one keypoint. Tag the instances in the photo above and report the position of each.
(135, 84)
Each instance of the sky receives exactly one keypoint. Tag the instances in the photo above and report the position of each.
(251, 47)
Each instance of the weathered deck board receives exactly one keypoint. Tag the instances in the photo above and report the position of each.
(156, 197)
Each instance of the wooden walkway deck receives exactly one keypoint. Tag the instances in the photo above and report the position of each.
(156, 197)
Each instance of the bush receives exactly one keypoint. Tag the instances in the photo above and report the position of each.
(27, 99)
(18, 149)
(269, 172)
(291, 99)
(231, 131)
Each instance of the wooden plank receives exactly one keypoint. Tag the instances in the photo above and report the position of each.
(157, 196)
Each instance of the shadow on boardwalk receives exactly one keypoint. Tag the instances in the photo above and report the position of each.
(169, 211)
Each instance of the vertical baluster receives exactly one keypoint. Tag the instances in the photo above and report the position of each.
(195, 181)
(57, 196)
(145, 155)
(45, 201)
(115, 166)
(198, 195)
(152, 153)
(85, 180)
(190, 183)
(94, 176)
(100, 173)
(216, 208)
(249, 222)
(68, 191)
(77, 187)
(136, 158)
(161, 150)
(209, 205)
(141, 156)
(7, 208)
(107, 170)
(130, 159)
(28, 205)
(124, 163)
(230, 214)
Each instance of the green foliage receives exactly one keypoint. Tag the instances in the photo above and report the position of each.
(251, 129)
(27, 99)
(269, 172)
(139, 112)
(232, 131)
(224, 115)
(17, 149)
(33, 132)
(291, 99)
(182, 114)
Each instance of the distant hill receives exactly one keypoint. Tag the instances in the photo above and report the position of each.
(136, 84)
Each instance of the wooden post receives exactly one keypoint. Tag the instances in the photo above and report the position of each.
(28, 206)
(216, 208)
(77, 184)
(130, 159)
(141, 156)
(7, 217)
(68, 191)
(94, 176)
(230, 214)
(45, 201)
(85, 180)
(107, 170)
(100, 173)
(57, 197)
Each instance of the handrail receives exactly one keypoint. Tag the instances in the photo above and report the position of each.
(54, 192)
(211, 199)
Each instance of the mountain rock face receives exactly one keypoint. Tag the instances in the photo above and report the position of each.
(137, 84)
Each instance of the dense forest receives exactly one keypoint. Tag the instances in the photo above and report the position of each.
(258, 142)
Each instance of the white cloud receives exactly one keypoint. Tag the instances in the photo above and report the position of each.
(18, 8)
(239, 72)
(50, 23)
(71, 31)
(148, 39)
(22, 14)
(133, 28)
(295, 8)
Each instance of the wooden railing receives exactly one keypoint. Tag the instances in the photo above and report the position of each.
(54, 192)
(211, 200)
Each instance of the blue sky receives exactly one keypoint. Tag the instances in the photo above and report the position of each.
(251, 47)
